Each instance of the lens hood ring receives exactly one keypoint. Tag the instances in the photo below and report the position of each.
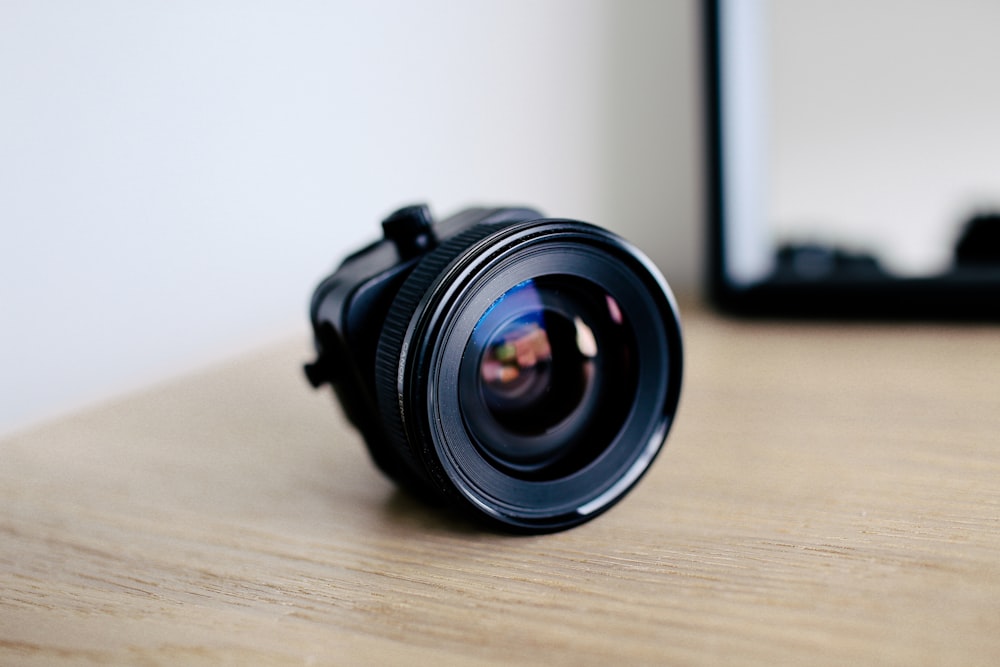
(425, 334)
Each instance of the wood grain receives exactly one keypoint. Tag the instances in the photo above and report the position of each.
(830, 494)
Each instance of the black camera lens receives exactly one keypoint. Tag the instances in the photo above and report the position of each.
(529, 371)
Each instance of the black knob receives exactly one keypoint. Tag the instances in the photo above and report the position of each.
(411, 230)
(319, 372)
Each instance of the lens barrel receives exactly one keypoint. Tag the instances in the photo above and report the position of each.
(530, 371)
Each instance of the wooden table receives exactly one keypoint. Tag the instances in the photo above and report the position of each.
(830, 494)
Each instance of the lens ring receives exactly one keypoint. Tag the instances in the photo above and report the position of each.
(564, 494)
(408, 453)
(424, 361)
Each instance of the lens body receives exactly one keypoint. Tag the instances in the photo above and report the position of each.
(530, 371)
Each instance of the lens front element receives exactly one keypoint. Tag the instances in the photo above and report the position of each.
(548, 372)
(525, 389)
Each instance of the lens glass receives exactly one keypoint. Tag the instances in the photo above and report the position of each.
(548, 376)
(536, 369)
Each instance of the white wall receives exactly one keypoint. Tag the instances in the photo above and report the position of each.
(175, 177)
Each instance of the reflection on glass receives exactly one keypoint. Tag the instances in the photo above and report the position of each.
(862, 132)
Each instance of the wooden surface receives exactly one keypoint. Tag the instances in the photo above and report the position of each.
(830, 494)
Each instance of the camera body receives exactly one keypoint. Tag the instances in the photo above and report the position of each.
(524, 368)
(349, 307)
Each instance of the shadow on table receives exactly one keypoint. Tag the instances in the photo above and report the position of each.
(406, 511)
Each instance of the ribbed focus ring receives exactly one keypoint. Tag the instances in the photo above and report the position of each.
(419, 456)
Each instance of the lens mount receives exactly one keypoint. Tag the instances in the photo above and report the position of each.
(531, 370)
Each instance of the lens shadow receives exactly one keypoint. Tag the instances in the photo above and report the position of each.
(405, 510)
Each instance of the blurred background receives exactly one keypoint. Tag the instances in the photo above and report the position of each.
(882, 125)
(176, 177)
(860, 157)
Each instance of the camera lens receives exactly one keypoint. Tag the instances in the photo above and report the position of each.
(546, 374)
(530, 371)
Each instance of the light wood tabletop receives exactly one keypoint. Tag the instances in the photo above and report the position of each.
(830, 494)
